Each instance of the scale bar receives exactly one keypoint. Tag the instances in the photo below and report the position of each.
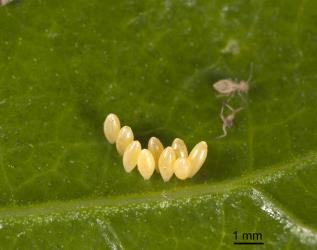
(248, 243)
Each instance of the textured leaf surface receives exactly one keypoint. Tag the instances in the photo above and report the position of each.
(66, 64)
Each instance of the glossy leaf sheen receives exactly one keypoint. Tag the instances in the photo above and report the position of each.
(65, 65)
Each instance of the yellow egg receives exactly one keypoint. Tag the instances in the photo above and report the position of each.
(130, 156)
(111, 128)
(197, 157)
(146, 164)
(182, 168)
(125, 137)
(180, 148)
(156, 148)
(166, 162)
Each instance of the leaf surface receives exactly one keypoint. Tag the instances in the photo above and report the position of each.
(66, 64)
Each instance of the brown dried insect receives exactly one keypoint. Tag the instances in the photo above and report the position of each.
(227, 121)
(4, 2)
(228, 87)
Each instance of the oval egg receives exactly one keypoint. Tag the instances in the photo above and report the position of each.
(166, 162)
(125, 137)
(111, 128)
(180, 148)
(156, 148)
(182, 168)
(197, 157)
(146, 164)
(130, 156)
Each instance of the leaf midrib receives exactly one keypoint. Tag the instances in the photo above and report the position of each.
(242, 182)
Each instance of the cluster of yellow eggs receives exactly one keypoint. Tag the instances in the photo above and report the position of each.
(171, 160)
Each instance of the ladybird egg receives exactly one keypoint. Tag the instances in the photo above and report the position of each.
(125, 137)
(197, 157)
(156, 148)
(182, 168)
(146, 164)
(180, 148)
(111, 128)
(166, 162)
(130, 156)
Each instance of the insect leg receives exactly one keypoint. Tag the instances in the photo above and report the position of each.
(234, 111)
(230, 97)
(242, 97)
(237, 110)
(221, 113)
(220, 95)
(224, 125)
(251, 72)
(224, 128)
(229, 107)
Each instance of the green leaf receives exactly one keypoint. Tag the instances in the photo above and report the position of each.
(66, 64)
